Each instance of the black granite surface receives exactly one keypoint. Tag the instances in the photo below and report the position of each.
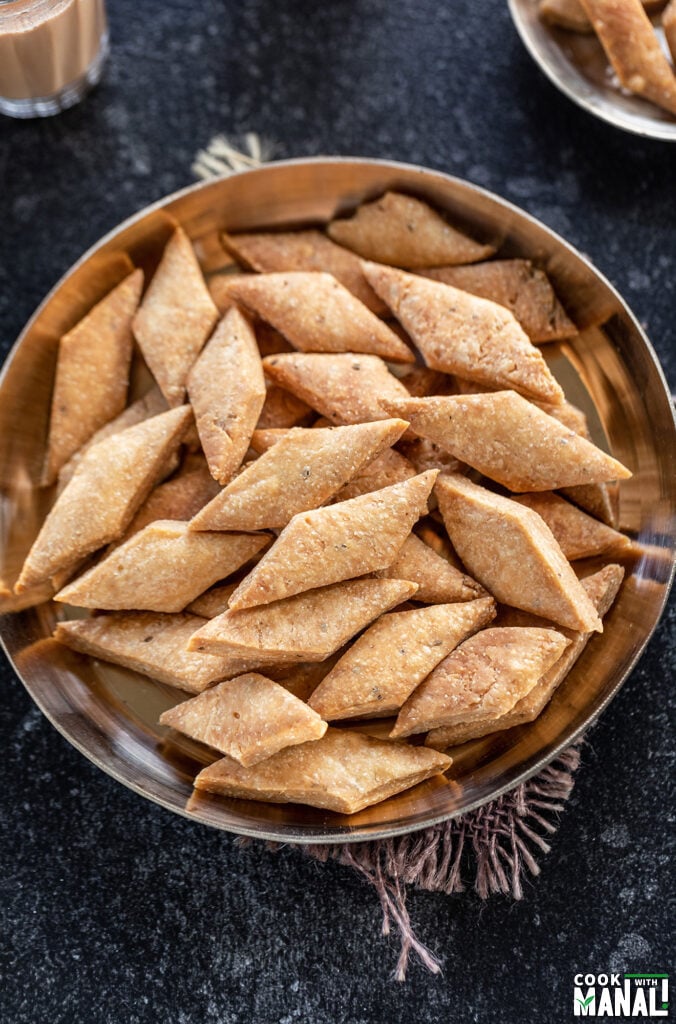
(114, 910)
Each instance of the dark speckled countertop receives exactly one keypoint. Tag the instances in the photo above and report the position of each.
(113, 910)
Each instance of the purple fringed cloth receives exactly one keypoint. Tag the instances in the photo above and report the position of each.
(502, 839)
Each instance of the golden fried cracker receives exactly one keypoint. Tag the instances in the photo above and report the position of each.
(420, 381)
(437, 579)
(175, 317)
(578, 535)
(344, 771)
(303, 678)
(568, 14)
(29, 598)
(405, 232)
(669, 26)
(282, 410)
(92, 374)
(482, 679)
(307, 627)
(268, 252)
(213, 601)
(110, 482)
(385, 470)
(383, 667)
(162, 568)
(219, 289)
(602, 589)
(249, 718)
(180, 498)
(317, 314)
(424, 454)
(518, 286)
(632, 47)
(509, 440)
(151, 404)
(336, 543)
(343, 387)
(227, 392)
(270, 340)
(301, 471)
(513, 554)
(463, 334)
(153, 645)
(595, 498)
(262, 440)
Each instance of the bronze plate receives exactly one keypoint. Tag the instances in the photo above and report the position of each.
(610, 369)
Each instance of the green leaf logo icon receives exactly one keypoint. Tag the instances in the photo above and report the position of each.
(585, 1002)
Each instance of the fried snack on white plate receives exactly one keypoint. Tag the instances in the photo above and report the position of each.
(268, 251)
(336, 543)
(578, 535)
(152, 644)
(181, 497)
(227, 392)
(513, 554)
(110, 482)
(301, 471)
(509, 440)
(383, 471)
(175, 317)
(570, 14)
(344, 771)
(317, 314)
(92, 374)
(405, 232)
(282, 410)
(249, 718)
(151, 404)
(307, 627)
(162, 568)
(669, 26)
(518, 286)
(383, 667)
(343, 387)
(602, 590)
(463, 334)
(628, 38)
(481, 679)
(438, 581)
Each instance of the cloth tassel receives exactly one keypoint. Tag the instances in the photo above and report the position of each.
(505, 840)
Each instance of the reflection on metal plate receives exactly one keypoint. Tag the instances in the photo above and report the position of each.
(609, 370)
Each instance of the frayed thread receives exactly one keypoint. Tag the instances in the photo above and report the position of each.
(504, 838)
(222, 156)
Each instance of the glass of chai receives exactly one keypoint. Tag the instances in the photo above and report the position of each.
(51, 53)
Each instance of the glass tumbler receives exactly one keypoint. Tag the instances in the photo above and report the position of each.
(51, 53)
